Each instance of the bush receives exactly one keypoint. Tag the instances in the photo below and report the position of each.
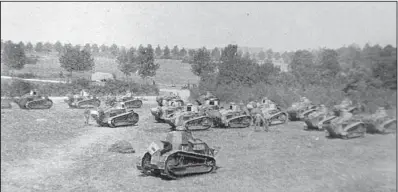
(26, 75)
(15, 88)
(32, 59)
(111, 87)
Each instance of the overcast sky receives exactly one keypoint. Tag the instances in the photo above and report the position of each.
(280, 26)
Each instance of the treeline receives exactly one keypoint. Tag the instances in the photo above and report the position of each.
(325, 76)
(113, 51)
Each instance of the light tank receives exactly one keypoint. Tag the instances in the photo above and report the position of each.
(161, 113)
(298, 108)
(345, 126)
(115, 116)
(34, 101)
(379, 122)
(178, 155)
(81, 102)
(271, 112)
(191, 118)
(234, 117)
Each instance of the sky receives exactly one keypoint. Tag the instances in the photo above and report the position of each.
(283, 26)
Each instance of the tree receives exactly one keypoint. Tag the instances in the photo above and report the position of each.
(75, 59)
(329, 61)
(216, 54)
(270, 54)
(158, 51)
(95, 49)
(175, 52)
(104, 48)
(47, 47)
(114, 49)
(183, 53)
(146, 62)
(166, 52)
(22, 45)
(277, 55)
(87, 47)
(202, 64)
(261, 55)
(13, 56)
(29, 47)
(58, 47)
(126, 62)
(191, 52)
(78, 47)
(235, 70)
(39, 47)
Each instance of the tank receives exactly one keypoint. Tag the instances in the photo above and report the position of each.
(234, 117)
(346, 105)
(313, 119)
(191, 118)
(299, 108)
(34, 102)
(131, 102)
(272, 113)
(115, 116)
(82, 102)
(6, 103)
(345, 127)
(379, 122)
(160, 113)
(177, 156)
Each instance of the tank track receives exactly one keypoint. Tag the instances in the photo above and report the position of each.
(91, 103)
(133, 103)
(242, 121)
(281, 117)
(39, 104)
(125, 119)
(181, 164)
(199, 123)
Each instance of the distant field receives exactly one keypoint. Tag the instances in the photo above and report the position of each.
(170, 71)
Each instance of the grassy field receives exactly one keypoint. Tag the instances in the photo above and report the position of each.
(51, 150)
(170, 71)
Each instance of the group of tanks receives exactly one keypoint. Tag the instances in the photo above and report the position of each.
(119, 113)
(345, 120)
(180, 154)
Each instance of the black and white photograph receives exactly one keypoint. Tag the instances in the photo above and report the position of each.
(190, 96)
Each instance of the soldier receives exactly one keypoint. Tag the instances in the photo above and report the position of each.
(87, 113)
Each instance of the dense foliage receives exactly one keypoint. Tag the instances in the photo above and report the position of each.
(325, 76)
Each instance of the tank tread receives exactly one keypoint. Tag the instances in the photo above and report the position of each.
(188, 164)
(199, 123)
(242, 121)
(91, 103)
(133, 103)
(114, 121)
(39, 104)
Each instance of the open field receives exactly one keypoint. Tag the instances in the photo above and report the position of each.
(170, 71)
(51, 150)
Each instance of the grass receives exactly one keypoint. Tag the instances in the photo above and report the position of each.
(285, 159)
(170, 71)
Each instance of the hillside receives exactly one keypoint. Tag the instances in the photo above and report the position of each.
(48, 67)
